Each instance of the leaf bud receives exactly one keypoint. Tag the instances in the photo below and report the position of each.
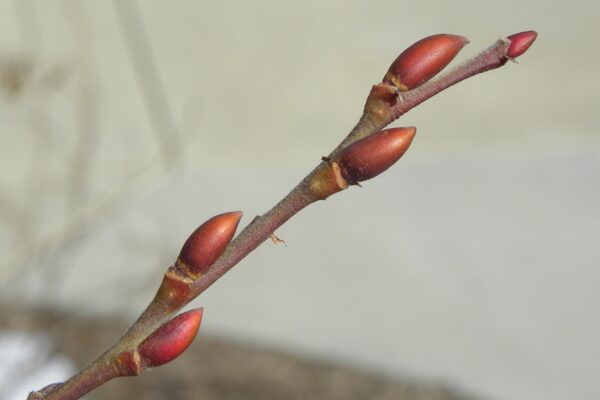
(207, 242)
(368, 157)
(170, 340)
(519, 43)
(423, 60)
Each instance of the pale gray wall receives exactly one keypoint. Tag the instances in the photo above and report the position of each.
(475, 260)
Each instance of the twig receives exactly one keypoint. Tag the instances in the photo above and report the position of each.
(262, 227)
(183, 282)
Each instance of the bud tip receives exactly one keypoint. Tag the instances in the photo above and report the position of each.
(519, 43)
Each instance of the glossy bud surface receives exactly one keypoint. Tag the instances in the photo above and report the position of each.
(372, 155)
(207, 242)
(423, 60)
(171, 339)
(519, 43)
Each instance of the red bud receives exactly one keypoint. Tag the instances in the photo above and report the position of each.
(207, 242)
(170, 340)
(423, 60)
(368, 157)
(519, 43)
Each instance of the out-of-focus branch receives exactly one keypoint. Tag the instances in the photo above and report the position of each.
(27, 22)
(150, 82)
(80, 166)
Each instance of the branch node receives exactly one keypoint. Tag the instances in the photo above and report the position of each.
(326, 181)
(175, 287)
(128, 363)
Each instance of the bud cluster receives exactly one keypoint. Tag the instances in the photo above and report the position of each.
(199, 252)
(360, 161)
(373, 154)
(201, 249)
(368, 154)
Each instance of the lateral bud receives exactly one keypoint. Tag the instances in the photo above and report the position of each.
(207, 243)
(369, 157)
(423, 60)
(519, 43)
(170, 340)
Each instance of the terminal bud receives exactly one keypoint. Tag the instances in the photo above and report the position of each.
(519, 43)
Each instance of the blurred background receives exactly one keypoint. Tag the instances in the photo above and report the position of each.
(469, 269)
